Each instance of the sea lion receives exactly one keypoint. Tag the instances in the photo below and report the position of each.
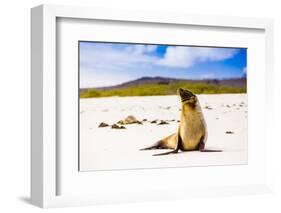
(192, 131)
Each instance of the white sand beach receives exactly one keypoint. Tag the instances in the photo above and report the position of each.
(105, 148)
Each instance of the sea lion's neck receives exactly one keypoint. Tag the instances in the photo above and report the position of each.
(189, 110)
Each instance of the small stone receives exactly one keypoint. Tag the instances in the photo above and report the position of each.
(129, 120)
(102, 124)
(115, 126)
(144, 120)
(121, 122)
(228, 106)
(154, 121)
(208, 107)
(162, 122)
(229, 132)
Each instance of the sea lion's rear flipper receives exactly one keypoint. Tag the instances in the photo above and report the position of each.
(167, 153)
(161, 144)
(210, 150)
(157, 145)
(179, 142)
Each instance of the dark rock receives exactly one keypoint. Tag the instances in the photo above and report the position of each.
(162, 122)
(229, 132)
(115, 126)
(102, 124)
(208, 107)
(154, 121)
(129, 120)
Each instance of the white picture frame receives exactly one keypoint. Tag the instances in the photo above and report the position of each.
(45, 169)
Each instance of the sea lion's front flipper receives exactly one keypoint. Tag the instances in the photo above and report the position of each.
(202, 148)
(179, 142)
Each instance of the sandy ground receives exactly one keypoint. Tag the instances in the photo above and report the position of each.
(108, 149)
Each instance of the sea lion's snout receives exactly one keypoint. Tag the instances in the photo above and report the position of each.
(185, 94)
(180, 90)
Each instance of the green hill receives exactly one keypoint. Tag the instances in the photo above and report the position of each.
(168, 87)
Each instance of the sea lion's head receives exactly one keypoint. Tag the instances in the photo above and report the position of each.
(187, 97)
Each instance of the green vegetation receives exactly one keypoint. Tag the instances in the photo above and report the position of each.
(161, 89)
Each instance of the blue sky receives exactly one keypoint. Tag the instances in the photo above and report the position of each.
(107, 64)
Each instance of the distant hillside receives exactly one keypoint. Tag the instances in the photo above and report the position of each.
(167, 86)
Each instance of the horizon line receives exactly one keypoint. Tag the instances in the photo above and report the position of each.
(153, 77)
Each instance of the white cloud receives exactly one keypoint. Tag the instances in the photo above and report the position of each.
(151, 48)
(107, 55)
(185, 57)
(104, 64)
(140, 49)
(101, 64)
(101, 78)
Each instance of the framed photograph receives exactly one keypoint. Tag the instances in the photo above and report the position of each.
(129, 106)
